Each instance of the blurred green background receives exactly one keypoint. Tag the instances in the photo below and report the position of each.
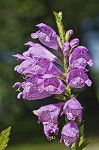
(17, 21)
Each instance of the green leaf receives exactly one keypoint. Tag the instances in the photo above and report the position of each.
(82, 143)
(81, 128)
(66, 119)
(74, 147)
(60, 97)
(4, 138)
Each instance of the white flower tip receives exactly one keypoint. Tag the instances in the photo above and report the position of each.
(90, 62)
(88, 82)
(35, 112)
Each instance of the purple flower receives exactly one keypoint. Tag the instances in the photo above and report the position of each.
(77, 78)
(48, 116)
(46, 35)
(66, 49)
(70, 133)
(39, 87)
(80, 57)
(32, 66)
(38, 51)
(72, 109)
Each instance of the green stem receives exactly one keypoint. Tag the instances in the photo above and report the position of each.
(67, 93)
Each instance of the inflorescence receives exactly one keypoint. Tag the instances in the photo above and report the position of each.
(43, 78)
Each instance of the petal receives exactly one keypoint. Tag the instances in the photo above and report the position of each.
(48, 113)
(54, 86)
(35, 35)
(30, 43)
(20, 57)
(40, 52)
(72, 109)
(17, 84)
(88, 82)
(50, 129)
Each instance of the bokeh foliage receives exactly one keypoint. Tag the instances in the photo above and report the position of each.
(17, 21)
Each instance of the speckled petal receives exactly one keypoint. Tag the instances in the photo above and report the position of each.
(72, 109)
(54, 86)
(70, 133)
(48, 116)
(38, 88)
(48, 113)
(51, 129)
(33, 66)
(40, 52)
(80, 58)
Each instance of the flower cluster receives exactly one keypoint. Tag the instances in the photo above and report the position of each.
(40, 73)
(43, 79)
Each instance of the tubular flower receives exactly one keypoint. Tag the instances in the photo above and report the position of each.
(77, 78)
(33, 66)
(72, 109)
(70, 133)
(39, 51)
(80, 58)
(47, 36)
(37, 87)
(41, 66)
(48, 116)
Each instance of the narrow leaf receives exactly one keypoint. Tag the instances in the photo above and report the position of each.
(83, 143)
(81, 128)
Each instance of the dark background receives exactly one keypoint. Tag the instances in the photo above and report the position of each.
(17, 21)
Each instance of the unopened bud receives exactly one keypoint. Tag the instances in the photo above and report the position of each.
(69, 33)
(74, 42)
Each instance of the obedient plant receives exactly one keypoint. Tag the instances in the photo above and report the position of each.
(43, 79)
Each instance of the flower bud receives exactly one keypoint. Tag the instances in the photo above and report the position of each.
(74, 42)
(69, 33)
